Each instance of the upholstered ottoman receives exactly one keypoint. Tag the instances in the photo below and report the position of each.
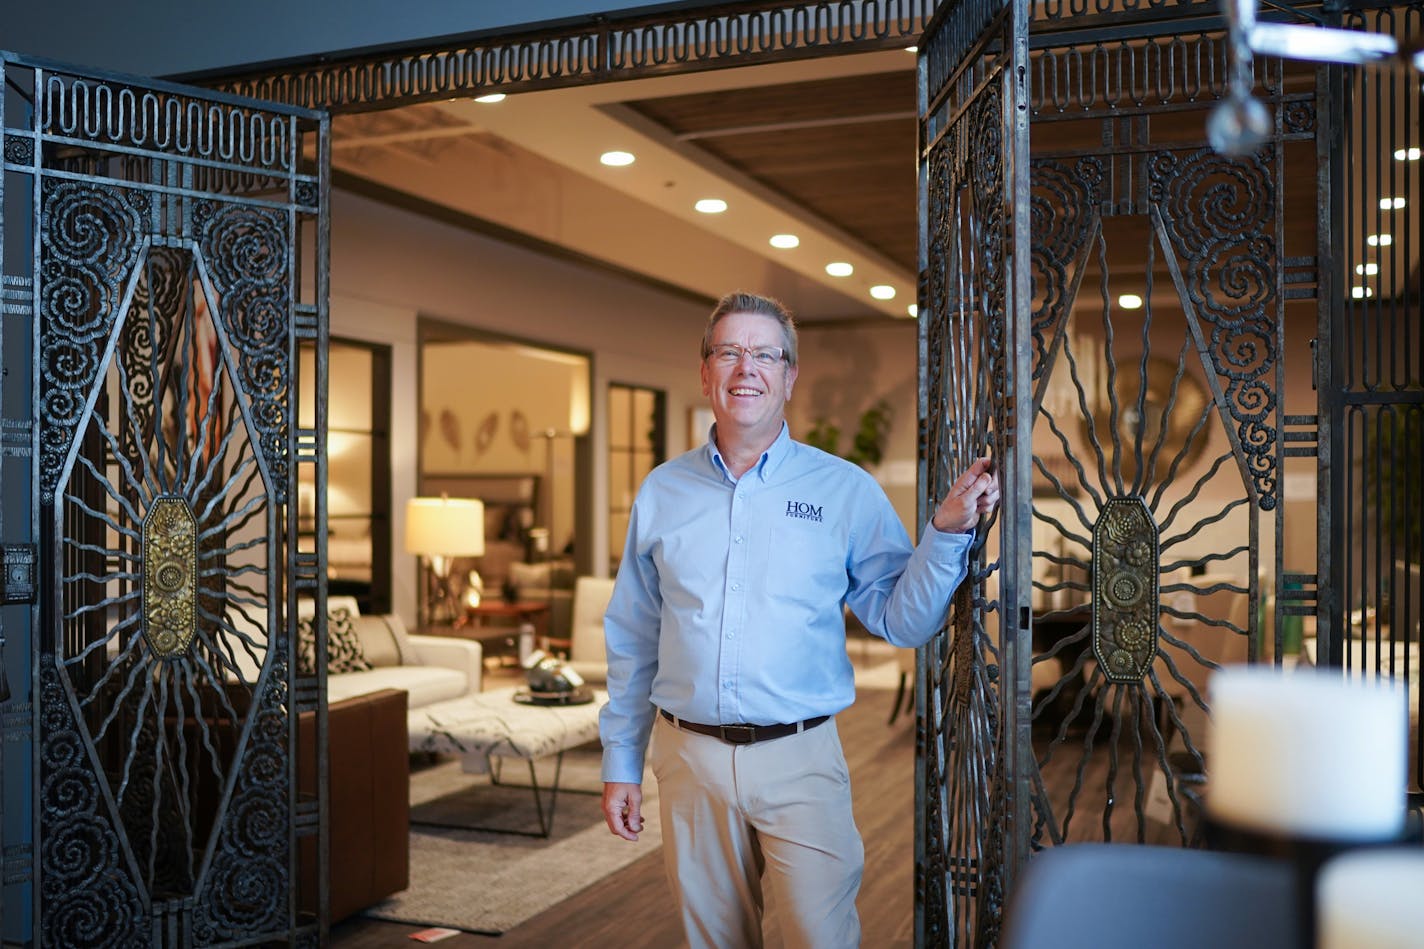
(487, 727)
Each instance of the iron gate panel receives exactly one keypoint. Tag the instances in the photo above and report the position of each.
(1165, 442)
(973, 375)
(175, 264)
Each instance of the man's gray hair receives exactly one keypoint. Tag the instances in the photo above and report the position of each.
(742, 302)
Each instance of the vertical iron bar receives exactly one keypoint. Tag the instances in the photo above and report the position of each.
(922, 465)
(322, 278)
(1016, 468)
(39, 611)
(1334, 358)
(1278, 513)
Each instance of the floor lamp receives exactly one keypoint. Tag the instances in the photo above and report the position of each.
(439, 530)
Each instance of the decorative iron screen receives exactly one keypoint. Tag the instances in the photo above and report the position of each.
(169, 259)
(1223, 396)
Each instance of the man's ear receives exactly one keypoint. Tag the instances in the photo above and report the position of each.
(706, 380)
(791, 374)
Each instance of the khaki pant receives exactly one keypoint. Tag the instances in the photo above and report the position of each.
(779, 810)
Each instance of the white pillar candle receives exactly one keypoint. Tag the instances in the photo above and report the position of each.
(1307, 753)
(1371, 899)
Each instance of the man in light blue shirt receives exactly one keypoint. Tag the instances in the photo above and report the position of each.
(726, 640)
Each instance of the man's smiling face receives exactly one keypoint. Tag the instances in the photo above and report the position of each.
(748, 401)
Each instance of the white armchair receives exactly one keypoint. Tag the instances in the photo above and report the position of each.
(587, 655)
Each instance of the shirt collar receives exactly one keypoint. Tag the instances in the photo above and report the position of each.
(766, 466)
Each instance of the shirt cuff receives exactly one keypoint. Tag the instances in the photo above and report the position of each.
(622, 765)
(944, 545)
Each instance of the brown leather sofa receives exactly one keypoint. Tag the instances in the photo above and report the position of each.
(368, 794)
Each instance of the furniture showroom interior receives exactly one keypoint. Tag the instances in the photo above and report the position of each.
(337, 341)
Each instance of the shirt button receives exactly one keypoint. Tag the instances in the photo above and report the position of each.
(737, 539)
(730, 635)
(736, 586)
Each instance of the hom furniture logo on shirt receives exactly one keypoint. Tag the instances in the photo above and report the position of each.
(804, 510)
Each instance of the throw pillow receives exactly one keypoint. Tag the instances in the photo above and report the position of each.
(343, 645)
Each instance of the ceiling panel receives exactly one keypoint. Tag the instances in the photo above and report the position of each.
(842, 148)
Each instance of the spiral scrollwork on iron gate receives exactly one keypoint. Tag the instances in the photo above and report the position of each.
(167, 312)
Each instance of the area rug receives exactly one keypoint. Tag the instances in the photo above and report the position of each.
(488, 883)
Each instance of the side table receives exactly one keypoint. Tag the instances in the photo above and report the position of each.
(496, 626)
(496, 613)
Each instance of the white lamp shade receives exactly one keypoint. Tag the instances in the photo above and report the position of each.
(445, 527)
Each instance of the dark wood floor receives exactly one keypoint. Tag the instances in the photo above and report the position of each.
(632, 909)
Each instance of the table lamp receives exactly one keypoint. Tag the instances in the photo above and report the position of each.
(440, 529)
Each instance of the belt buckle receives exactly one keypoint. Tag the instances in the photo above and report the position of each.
(737, 734)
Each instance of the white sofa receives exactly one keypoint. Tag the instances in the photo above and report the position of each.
(428, 669)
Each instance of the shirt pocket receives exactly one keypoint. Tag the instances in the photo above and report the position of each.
(809, 556)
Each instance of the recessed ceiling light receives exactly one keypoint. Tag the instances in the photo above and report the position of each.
(617, 159)
(1379, 240)
(711, 205)
(1367, 270)
(882, 291)
(912, 49)
(492, 97)
(1407, 154)
(913, 309)
(1130, 301)
(1359, 293)
(785, 241)
(1391, 204)
(840, 269)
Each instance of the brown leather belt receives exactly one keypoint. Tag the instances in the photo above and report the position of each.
(744, 734)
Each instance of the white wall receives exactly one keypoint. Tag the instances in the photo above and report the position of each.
(390, 266)
(846, 370)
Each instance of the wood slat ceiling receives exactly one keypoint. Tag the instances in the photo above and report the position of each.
(843, 148)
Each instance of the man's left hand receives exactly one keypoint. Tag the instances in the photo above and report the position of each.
(975, 493)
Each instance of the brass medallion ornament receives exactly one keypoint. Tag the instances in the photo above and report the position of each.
(170, 571)
(1125, 594)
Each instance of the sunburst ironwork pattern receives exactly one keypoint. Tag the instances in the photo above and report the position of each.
(1156, 446)
(1154, 454)
(166, 633)
(165, 321)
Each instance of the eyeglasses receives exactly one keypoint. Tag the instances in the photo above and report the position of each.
(763, 357)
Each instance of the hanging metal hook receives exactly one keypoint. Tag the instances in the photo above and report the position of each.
(1239, 124)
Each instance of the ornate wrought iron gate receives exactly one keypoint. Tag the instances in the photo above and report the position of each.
(1148, 453)
(973, 371)
(164, 258)
(1129, 321)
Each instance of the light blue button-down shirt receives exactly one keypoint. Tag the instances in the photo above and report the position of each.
(728, 603)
